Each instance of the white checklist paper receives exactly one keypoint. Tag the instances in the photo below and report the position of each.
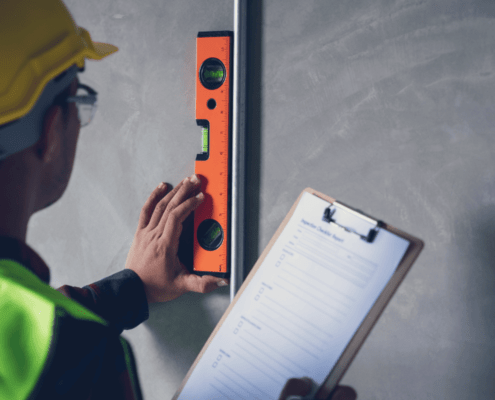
(299, 311)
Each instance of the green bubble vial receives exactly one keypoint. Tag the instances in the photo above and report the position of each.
(204, 140)
(214, 74)
(212, 234)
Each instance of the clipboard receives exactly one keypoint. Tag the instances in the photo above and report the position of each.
(339, 215)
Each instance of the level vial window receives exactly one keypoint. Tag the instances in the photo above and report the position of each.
(210, 234)
(204, 140)
(213, 234)
(215, 76)
(212, 73)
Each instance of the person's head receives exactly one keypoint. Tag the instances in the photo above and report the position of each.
(42, 51)
(48, 162)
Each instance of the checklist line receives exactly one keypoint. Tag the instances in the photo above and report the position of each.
(309, 323)
(285, 337)
(265, 395)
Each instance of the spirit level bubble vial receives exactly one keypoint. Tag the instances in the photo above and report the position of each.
(211, 246)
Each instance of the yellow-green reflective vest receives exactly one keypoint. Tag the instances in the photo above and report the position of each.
(27, 314)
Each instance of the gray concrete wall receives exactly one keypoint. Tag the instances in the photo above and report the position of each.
(387, 105)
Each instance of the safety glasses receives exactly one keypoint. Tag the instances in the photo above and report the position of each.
(86, 102)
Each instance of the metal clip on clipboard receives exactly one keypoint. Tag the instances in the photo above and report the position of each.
(332, 208)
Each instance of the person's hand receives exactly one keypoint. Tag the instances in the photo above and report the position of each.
(298, 388)
(153, 254)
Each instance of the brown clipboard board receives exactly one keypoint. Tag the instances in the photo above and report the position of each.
(352, 348)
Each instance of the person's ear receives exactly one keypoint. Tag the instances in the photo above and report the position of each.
(49, 145)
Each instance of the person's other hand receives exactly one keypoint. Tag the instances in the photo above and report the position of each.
(304, 386)
(153, 254)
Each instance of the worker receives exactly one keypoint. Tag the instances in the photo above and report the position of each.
(66, 343)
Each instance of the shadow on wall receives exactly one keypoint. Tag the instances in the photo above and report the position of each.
(182, 330)
(482, 252)
(484, 238)
(475, 241)
(253, 133)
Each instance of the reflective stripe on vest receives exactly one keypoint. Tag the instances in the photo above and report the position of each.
(27, 311)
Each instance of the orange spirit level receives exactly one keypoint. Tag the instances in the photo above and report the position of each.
(213, 164)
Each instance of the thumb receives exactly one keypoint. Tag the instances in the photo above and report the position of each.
(202, 284)
(344, 393)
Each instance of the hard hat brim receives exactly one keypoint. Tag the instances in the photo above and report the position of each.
(95, 50)
(29, 82)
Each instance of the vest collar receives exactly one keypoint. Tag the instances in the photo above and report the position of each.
(16, 250)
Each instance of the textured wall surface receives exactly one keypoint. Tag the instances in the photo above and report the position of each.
(387, 105)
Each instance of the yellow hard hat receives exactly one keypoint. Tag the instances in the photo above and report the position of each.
(38, 41)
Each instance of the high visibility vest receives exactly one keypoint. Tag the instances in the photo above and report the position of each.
(28, 309)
